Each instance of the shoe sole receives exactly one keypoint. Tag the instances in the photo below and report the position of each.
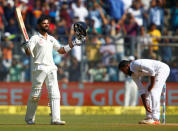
(56, 123)
(156, 123)
(153, 123)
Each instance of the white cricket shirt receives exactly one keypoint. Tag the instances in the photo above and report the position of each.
(42, 49)
(144, 67)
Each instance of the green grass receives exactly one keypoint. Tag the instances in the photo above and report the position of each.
(86, 123)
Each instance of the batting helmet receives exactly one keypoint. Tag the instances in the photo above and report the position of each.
(80, 29)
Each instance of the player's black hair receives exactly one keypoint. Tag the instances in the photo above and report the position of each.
(42, 18)
(123, 63)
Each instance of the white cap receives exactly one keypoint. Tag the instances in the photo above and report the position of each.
(10, 2)
(7, 34)
(25, 1)
(131, 58)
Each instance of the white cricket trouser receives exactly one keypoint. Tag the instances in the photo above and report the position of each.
(154, 96)
(130, 98)
(38, 77)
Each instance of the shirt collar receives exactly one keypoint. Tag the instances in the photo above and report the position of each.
(40, 35)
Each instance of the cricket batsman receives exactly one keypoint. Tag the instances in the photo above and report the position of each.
(44, 69)
(158, 73)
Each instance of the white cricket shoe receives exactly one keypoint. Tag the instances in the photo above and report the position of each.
(151, 122)
(30, 122)
(144, 120)
(58, 123)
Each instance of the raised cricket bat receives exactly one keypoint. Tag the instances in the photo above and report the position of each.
(22, 25)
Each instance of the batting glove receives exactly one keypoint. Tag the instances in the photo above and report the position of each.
(25, 45)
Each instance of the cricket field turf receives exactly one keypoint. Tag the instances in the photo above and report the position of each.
(86, 123)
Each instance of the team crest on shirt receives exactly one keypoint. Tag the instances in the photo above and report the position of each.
(51, 41)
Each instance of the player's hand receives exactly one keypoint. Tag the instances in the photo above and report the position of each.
(25, 45)
(78, 42)
(146, 103)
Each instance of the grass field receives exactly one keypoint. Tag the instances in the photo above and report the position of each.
(86, 123)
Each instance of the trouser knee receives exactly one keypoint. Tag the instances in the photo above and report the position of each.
(35, 94)
(35, 99)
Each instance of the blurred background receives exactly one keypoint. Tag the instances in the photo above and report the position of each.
(118, 29)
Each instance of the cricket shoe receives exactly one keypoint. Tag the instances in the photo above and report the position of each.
(30, 122)
(58, 123)
(144, 120)
(152, 122)
(157, 122)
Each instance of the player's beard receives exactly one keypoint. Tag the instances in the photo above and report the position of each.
(45, 29)
(129, 72)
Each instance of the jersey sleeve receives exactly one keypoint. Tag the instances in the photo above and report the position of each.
(32, 43)
(134, 67)
(56, 45)
(142, 69)
(138, 82)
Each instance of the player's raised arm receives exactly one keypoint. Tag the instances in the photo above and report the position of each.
(29, 46)
(80, 29)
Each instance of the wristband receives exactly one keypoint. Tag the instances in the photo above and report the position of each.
(67, 48)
